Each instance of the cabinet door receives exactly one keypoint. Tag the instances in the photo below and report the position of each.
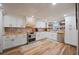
(8, 43)
(13, 22)
(38, 36)
(41, 35)
(9, 21)
(52, 36)
(19, 22)
(20, 40)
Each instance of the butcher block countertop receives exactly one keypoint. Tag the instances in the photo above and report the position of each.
(60, 32)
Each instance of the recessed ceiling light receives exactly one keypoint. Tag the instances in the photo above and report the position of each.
(53, 3)
(65, 15)
(32, 16)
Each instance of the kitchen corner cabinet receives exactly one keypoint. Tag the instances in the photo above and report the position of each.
(10, 42)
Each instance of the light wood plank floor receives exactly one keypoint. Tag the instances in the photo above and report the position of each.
(43, 47)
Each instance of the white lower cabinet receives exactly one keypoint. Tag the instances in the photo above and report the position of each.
(40, 35)
(49, 35)
(52, 36)
(8, 43)
(1, 44)
(14, 41)
(20, 40)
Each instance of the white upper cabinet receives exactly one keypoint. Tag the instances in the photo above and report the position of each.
(12, 21)
(19, 22)
(9, 21)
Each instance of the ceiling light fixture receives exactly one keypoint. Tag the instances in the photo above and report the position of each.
(65, 15)
(32, 16)
(54, 3)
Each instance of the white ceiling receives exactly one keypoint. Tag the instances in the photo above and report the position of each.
(42, 10)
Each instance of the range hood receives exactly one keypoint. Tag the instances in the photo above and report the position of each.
(30, 26)
(30, 22)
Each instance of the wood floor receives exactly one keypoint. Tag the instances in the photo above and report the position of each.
(43, 47)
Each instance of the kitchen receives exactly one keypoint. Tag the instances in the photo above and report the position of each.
(25, 26)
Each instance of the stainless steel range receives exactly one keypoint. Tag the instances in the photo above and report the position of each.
(31, 36)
